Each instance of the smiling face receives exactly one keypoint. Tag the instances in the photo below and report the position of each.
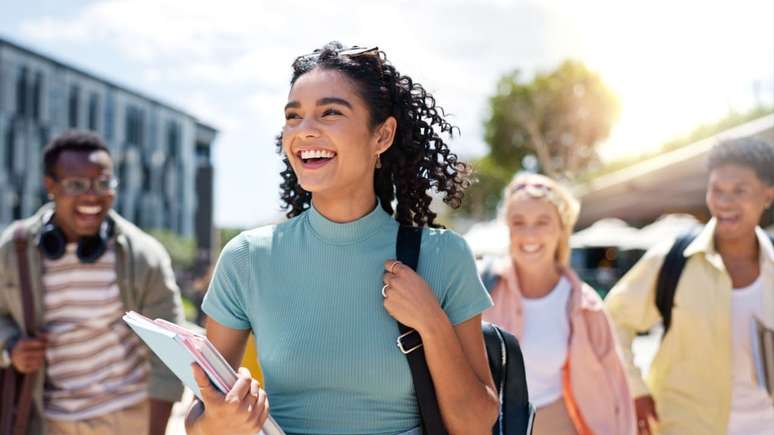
(80, 215)
(535, 231)
(737, 197)
(327, 136)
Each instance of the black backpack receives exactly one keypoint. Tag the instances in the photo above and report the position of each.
(508, 374)
(505, 361)
(507, 365)
(669, 277)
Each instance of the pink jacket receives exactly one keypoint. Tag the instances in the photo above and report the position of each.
(596, 391)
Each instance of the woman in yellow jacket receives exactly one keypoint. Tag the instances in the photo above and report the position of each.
(701, 380)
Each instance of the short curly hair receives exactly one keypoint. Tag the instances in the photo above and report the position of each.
(418, 160)
(750, 152)
(70, 140)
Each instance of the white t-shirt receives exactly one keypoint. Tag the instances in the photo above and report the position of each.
(544, 343)
(752, 411)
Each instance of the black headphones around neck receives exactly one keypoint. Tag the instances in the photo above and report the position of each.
(53, 243)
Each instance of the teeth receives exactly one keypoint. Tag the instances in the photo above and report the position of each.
(317, 154)
(530, 248)
(84, 209)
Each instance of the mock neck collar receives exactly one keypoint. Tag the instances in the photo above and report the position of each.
(349, 232)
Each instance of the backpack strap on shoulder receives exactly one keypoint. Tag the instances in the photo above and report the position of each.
(410, 343)
(669, 276)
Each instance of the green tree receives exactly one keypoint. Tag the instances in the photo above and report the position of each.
(559, 116)
(482, 197)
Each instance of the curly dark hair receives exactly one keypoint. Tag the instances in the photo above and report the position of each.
(751, 152)
(417, 161)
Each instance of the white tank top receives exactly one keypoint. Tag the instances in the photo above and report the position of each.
(752, 410)
(544, 343)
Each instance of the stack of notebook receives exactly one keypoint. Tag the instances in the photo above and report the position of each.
(178, 348)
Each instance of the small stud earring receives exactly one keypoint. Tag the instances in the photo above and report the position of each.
(378, 161)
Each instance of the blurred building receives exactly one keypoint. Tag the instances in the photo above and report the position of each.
(161, 153)
(672, 182)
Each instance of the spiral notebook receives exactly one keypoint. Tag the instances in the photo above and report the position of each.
(179, 347)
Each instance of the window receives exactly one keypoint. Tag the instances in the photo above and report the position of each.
(134, 126)
(73, 106)
(17, 208)
(10, 152)
(146, 176)
(109, 116)
(173, 139)
(43, 136)
(21, 92)
(122, 171)
(203, 152)
(37, 95)
(93, 108)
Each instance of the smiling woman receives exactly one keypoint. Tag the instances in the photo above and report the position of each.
(377, 95)
(322, 291)
(566, 337)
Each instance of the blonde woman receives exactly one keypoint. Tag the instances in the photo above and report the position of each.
(574, 372)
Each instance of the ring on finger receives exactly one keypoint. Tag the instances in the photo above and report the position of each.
(384, 290)
(394, 265)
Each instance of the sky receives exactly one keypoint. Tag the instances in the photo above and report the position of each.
(673, 64)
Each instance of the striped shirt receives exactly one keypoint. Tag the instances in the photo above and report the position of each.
(95, 364)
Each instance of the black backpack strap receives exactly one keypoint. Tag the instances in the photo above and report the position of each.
(410, 343)
(498, 362)
(669, 276)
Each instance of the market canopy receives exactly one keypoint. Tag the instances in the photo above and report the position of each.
(605, 233)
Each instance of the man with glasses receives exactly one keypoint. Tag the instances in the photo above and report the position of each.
(87, 266)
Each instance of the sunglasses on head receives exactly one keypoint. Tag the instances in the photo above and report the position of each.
(349, 52)
(531, 187)
(74, 186)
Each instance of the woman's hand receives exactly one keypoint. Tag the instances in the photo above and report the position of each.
(243, 410)
(408, 298)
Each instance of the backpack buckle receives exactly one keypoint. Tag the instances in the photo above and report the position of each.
(411, 343)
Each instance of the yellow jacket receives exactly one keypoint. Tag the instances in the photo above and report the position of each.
(690, 376)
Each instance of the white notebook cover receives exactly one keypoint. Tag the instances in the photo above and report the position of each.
(167, 346)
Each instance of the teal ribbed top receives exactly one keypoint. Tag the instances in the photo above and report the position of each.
(309, 289)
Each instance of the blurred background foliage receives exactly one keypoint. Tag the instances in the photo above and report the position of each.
(550, 124)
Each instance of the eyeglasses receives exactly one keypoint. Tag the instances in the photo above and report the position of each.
(74, 186)
(349, 52)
